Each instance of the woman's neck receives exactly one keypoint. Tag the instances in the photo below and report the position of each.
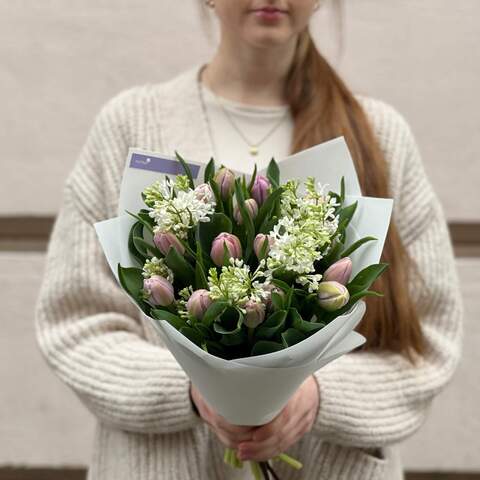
(249, 75)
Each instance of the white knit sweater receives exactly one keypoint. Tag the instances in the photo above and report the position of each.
(94, 339)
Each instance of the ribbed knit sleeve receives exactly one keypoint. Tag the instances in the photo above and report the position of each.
(87, 329)
(370, 399)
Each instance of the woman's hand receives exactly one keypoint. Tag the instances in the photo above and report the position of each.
(230, 435)
(296, 419)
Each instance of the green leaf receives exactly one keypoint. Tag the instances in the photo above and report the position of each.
(146, 224)
(277, 301)
(247, 220)
(214, 311)
(218, 196)
(131, 279)
(266, 208)
(272, 325)
(356, 245)
(200, 276)
(141, 243)
(342, 190)
(281, 284)
(237, 338)
(345, 216)
(139, 256)
(252, 180)
(215, 348)
(366, 277)
(263, 347)
(183, 272)
(171, 318)
(193, 335)
(207, 231)
(303, 325)
(186, 169)
(292, 336)
(209, 171)
(273, 173)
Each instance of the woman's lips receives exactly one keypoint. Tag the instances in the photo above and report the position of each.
(269, 14)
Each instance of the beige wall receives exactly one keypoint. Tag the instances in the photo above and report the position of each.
(61, 60)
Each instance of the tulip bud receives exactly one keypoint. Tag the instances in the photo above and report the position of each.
(332, 295)
(165, 240)
(203, 192)
(232, 244)
(159, 290)
(225, 179)
(339, 272)
(260, 189)
(198, 303)
(252, 209)
(258, 244)
(255, 314)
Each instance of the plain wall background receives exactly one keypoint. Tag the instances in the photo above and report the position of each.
(60, 61)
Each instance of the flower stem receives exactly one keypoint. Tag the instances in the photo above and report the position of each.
(289, 460)
(256, 470)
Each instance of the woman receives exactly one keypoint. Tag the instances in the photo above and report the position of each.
(266, 92)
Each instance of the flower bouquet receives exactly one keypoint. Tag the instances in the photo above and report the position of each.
(249, 281)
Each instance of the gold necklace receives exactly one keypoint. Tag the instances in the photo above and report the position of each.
(252, 146)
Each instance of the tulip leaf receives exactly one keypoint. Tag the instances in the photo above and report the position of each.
(345, 215)
(247, 220)
(292, 336)
(209, 171)
(193, 335)
(234, 338)
(348, 251)
(171, 318)
(215, 348)
(263, 347)
(131, 279)
(273, 173)
(252, 180)
(213, 312)
(142, 220)
(186, 169)
(265, 209)
(280, 284)
(277, 301)
(217, 195)
(366, 277)
(272, 325)
(342, 190)
(302, 325)
(200, 277)
(139, 255)
(183, 272)
(141, 243)
(207, 231)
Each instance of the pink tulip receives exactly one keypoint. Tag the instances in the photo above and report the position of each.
(255, 314)
(232, 244)
(339, 271)
(258, 243)
(252, 209)
(165, 240)
(159, 290)
(260, 189)
(198, 303)
(332, 295)
(225, 179)
(203, 192)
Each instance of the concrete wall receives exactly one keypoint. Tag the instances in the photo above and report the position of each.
(60, 61)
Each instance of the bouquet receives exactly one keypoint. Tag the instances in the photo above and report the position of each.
(250, 281)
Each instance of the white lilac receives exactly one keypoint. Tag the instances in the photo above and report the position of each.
(176, 211)
(157, 266)
(237, 284)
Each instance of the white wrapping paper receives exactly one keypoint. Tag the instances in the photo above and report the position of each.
(253, 390)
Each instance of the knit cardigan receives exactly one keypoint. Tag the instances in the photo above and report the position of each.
(95, 340)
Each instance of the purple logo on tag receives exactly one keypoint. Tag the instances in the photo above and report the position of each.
(161, 165)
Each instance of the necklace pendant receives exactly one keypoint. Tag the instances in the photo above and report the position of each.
(253, 150)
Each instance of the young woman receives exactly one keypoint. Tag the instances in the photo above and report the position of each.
(266, 92)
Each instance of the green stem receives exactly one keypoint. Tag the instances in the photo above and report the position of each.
(256, 471)
(289, 460)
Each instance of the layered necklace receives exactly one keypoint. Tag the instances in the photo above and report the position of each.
(253, 147)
